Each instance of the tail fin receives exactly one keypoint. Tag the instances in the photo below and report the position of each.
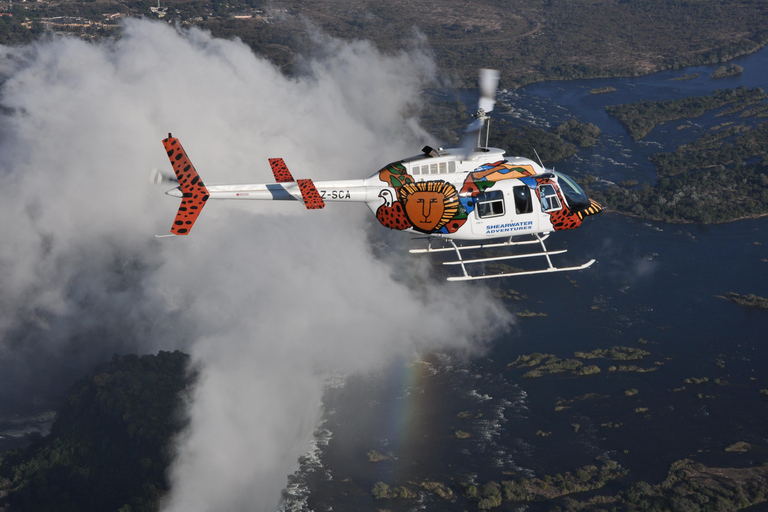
(195, 194)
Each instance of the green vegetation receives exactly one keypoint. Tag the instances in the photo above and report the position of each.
(727, 147)
(750, 300)
(527, 360)
(689, 486)
(632, 368)
(107, 449)
(720, 177)
(757, 111)
(489, 496)
(616, 353)
(529, 314)
(438, 489)
(686, 77)
(602, 90)
(547, 364)
(583, 134)
(383, 491)
(527, 40)
(550, 487)
(374, 456)
(642, 117)
(739, 447)
(537, 39)
(588, 370)
(706, 196)
(724, 72)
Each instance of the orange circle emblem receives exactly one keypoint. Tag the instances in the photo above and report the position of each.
(429, 205)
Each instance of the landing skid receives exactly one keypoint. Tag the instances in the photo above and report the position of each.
(509, 243)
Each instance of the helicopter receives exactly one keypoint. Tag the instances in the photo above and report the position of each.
(478, 196)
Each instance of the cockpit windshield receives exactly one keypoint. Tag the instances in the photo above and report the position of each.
(575, 196)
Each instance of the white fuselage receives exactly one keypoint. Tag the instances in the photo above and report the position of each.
(468, 210)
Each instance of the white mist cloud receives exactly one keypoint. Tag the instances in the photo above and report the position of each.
(267, 297)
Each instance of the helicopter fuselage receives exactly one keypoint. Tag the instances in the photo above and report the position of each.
(444, 194)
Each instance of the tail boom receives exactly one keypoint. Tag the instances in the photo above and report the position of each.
(194, 193)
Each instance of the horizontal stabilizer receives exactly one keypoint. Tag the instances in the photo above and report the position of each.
(195, 193)
(280, 170)
(310, 195)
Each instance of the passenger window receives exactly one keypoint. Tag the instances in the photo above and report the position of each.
(522, 199)
(490, 204)
(549, 200)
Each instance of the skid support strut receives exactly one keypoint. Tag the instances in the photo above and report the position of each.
(463, 262)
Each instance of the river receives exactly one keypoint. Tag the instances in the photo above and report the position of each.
(656, 287)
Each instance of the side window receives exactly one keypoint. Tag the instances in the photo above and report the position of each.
(522, 199)
(490, 204)
(549, 200)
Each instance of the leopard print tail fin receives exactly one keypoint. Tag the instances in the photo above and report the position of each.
(195, 194)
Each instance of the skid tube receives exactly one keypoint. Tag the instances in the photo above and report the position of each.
(464, 262)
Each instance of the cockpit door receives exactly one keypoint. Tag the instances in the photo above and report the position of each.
(504, 212)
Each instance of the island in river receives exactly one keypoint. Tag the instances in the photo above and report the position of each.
(719, 177)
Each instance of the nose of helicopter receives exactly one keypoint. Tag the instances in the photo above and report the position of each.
(593, 209)
(577, 199)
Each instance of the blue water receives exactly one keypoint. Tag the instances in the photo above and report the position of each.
(616, 156)
(660, 283)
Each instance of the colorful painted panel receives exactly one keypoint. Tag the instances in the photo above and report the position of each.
(436, 206)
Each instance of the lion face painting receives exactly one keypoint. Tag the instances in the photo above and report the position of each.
(429, 205)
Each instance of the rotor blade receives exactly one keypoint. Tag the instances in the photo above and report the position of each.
(469, 141)
(489, 82)
(475, 125)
